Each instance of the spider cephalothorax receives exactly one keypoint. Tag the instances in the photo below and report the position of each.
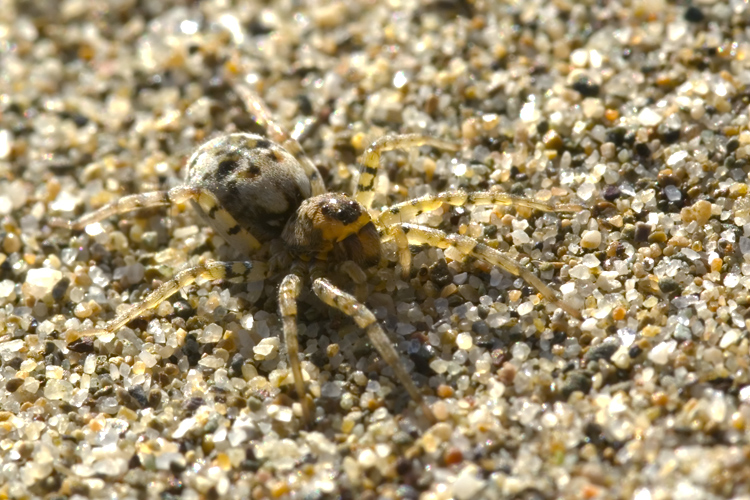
(333, 227)
(251, 189)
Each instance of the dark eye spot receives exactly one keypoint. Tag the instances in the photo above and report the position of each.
(344, 211)
(225, 168)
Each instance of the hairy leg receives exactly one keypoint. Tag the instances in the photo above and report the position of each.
(238, 271)
(417, 234)
(289, 292)
(371, 160)
(276, 133)
(127, 204)
(407, 210)
(365, 319)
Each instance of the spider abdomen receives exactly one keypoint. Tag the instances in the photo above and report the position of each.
(253, 180)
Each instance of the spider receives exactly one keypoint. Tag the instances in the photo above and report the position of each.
(253, 189)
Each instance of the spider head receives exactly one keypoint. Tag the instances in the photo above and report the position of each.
(335, 227)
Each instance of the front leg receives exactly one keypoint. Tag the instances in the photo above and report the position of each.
(371, 160)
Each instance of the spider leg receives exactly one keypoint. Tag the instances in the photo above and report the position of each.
(365, 319)
(126, 204)
(407, 210)
(358, 276)
(202, 200)
(371, 160)
(402, 248)
(417, 234)
(289, 292)
(237, 271)
(263, 117)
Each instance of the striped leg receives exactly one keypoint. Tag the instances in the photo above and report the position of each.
(402, 248)
(406, 211)
(129, 203)
(371, 160)
(417, 234)
(231, 271)
(289, 291)
(365, 319)
(276, 133)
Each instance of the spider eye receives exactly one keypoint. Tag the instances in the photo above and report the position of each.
(344, 211)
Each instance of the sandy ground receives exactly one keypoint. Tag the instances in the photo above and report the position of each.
(636, 110)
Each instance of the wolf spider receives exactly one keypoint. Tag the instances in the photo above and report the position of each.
(252, 189)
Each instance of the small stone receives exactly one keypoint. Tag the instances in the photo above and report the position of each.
(602, 351)
(440, 410)
(467, 485)
(677, 157)
(642, 232)
(210, 334)
(331, 390)
(520, 351)
(580, 272)
(464, 341)
(586, 190)
(672, 193)
(212, 362)
(552, 140)
(657, 237)
(11, 243)
(367, 458)
(591, 240)
(620, 358)
(576, 380)
(649, 118)
(58, 389)
(525, 308)
(40, 282)
(267, 348)
(700, 212)
(444, 391)
(453, 456)
(660, 354)
(593, 108)
(618, 313)
(693, 14)
(82, 345)
(737, 190)
(13, 384)
(669, 285)
(650, 331)
(148, 359)
(85, 309)
(6, 144)
(520, 237)
(586, 87)
(611, 193)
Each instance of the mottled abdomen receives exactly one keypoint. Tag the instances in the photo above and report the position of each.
(255, 181)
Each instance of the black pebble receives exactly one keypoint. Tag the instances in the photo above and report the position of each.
(586, 87)
(576, 380)
(694, 14)
(611, 193)
(642, 232)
